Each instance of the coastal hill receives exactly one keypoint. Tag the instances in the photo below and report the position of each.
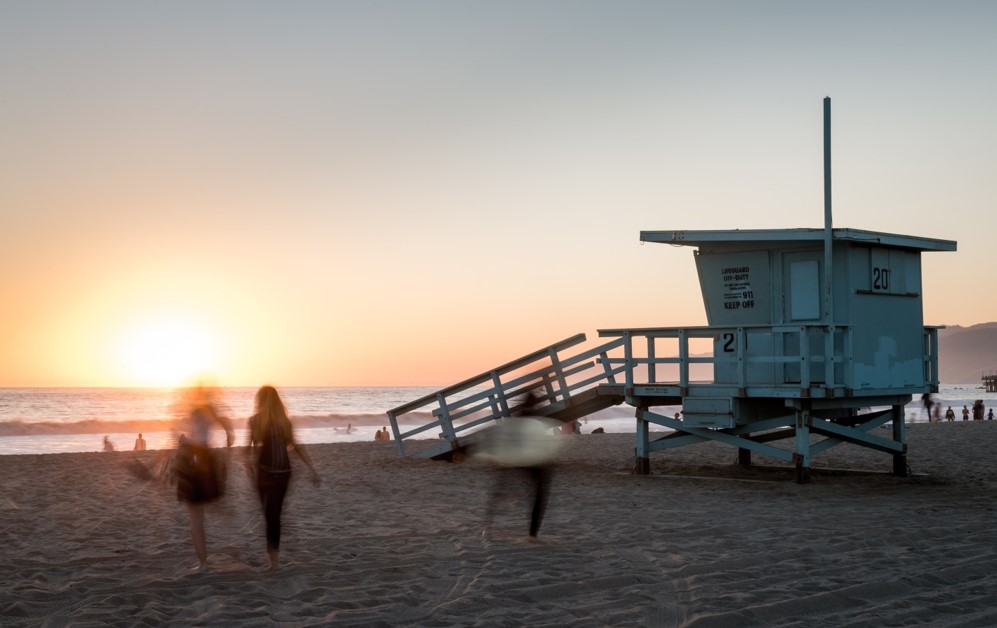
(965, 352)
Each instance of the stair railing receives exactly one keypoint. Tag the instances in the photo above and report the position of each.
(494, 394)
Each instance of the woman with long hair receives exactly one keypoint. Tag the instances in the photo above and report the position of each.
(271, 438)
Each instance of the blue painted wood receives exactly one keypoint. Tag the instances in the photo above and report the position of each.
(802, 448)
(857, 437)
(723, 436)
(765, 239)
(680, 439)
(876, 419)
(490, 396)
(643, 450)
(900, 436)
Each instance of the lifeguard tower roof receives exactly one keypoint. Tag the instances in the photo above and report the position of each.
(804, 235)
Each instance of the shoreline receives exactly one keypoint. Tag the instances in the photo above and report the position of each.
(70, 422)
(386, 541)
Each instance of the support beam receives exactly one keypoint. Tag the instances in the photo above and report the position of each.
(680, 439)
(445, 423)
(399, 445)
(856, 436)
(768, 437)
(675, 440)
(802, 454)
(859, 423)
(744, 456)
(643, 451)
(900, 436)
(706, 434)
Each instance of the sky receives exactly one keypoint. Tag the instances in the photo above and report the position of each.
(411, 193)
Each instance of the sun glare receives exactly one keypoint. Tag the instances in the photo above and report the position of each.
(167, 353)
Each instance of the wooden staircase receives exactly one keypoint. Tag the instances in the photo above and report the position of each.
(568, 386)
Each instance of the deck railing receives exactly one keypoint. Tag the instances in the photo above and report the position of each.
(931, 356)
(813, 356)
(788, 346)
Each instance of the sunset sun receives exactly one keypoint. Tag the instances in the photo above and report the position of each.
(165, 353)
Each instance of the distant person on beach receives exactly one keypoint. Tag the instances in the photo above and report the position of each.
(990, 415)
(108, 445)
(271, 438)
(385, 434)
(139, 444)
(377, 435)
(200, 472)
(978, 409)
(965, 413)
(928, 402)
(950, 414)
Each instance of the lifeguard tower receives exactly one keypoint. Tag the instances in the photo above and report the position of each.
(790, 356)
(815, 336)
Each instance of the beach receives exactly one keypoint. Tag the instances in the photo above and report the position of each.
(386, 541)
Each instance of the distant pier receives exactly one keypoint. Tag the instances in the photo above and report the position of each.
(990, 381)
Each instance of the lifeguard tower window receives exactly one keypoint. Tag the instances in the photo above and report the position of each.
(804, 290)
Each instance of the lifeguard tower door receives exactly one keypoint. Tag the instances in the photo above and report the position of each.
(802, 290)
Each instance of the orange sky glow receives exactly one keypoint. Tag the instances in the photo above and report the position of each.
(411, 194)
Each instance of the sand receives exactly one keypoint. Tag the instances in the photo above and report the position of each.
(700, 542)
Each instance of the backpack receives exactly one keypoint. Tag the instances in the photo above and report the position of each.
(273, 451)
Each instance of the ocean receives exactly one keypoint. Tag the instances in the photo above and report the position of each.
(66, 420)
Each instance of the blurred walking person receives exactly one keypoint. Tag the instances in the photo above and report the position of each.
(200, 472)
(523, 448)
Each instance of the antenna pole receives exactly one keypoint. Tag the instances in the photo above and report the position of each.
(827, 165)
(828, 248)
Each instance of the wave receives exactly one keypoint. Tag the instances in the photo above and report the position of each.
(105, 426)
